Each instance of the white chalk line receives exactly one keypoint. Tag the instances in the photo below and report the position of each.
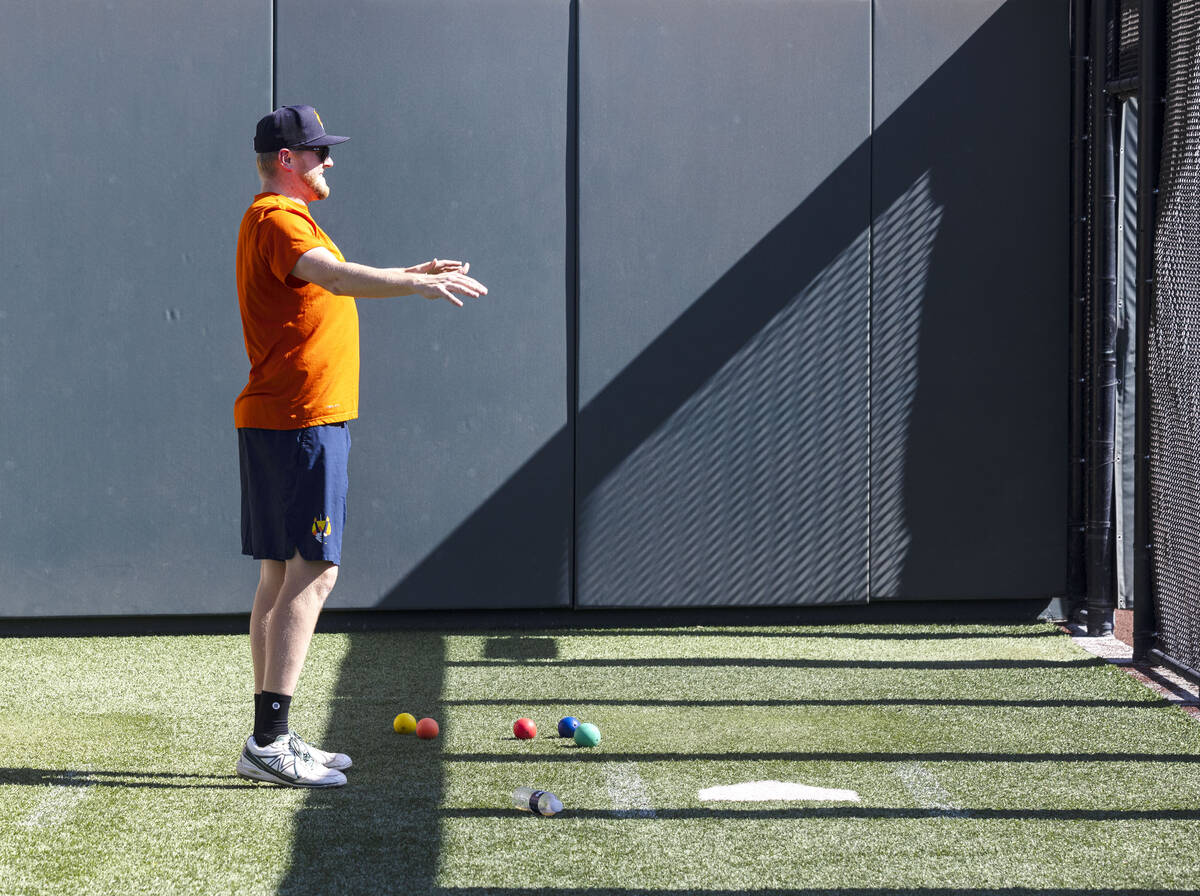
(627, 791)
(59, 802)
(776, 791)
(923, 786)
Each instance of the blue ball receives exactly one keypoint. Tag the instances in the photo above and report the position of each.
(567, 726)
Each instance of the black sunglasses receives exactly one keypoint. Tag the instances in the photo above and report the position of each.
(321, 151)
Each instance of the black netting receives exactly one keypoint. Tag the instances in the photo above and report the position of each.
(1128, 36)
(1174, 351)
(1089, 339)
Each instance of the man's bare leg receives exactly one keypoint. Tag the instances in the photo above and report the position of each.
(270, 583)
(291, 620)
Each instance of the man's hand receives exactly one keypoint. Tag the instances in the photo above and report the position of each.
(444, 285)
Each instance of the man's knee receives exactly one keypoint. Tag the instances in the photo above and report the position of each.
(315, 578)
(325, 581)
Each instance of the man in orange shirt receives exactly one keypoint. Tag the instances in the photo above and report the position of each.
(296, 293)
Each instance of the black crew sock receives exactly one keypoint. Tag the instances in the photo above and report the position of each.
(257, 711)
(271, 719)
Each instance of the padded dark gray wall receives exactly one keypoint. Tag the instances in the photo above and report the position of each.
(728, 195)
(457, 113)
(126, 141)
(970, 328)
(724, 211)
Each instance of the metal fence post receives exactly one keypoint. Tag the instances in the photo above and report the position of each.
(1102, 425)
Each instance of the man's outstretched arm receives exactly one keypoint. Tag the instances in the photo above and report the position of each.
(433, 279)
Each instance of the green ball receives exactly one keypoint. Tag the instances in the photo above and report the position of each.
(587, 735)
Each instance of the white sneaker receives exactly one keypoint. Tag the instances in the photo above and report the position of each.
(279, 763)
(337, 761)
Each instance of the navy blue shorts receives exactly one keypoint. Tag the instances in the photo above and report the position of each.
(294, 485)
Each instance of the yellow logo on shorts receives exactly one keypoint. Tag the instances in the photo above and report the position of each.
(322, 528)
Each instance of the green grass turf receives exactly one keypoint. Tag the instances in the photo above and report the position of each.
(987, 758)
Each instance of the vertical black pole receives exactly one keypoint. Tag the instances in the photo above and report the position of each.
(1102, 426)
(1076, 400)
(1151, 89)
(274, 54)
(572, 285)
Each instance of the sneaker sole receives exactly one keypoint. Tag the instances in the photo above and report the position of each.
(251, 771)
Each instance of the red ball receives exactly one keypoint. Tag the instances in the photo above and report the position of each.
(427, 729)
(524, 729)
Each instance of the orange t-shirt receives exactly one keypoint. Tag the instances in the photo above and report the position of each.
(301, 339)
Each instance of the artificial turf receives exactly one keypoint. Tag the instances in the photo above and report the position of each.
(987, 759)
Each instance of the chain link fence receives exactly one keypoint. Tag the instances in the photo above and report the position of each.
(1173, 362)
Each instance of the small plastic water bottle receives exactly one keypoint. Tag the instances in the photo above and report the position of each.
(542, 802)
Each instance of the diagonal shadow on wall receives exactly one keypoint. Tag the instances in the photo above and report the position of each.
(505, 553)
(967, 463)
(514, 550)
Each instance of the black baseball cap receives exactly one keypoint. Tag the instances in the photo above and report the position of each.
(292, 126)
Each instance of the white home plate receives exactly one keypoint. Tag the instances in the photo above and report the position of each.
(770, 791)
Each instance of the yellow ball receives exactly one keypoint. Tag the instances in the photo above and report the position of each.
(405, 723)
